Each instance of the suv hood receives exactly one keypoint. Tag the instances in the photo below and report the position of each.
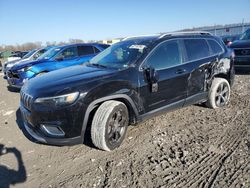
(15, 62)
(71, 78)
(12, 62)
(240, 44)
(27, 64)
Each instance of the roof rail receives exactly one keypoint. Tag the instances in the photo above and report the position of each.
(131, 37)
(185, 33)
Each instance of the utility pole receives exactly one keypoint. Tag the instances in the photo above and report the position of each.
(243, 29)
(215, 29)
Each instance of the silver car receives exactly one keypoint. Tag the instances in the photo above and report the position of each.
(31, 56)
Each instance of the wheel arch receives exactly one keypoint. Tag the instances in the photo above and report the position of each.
(223, 75)
(93, 106)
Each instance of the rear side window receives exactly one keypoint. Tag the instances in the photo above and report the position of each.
(196, 49)
(215, 47)
(104, 46)
(165, 56)
(96, 50)
(85, 50)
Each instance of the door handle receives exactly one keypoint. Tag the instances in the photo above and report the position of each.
(180, 71)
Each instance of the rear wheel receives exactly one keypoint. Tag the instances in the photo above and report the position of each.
(109, 125)
(219, 93)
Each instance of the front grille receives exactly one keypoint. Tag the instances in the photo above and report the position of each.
(242, 52)
(12, 74)
(26, 100)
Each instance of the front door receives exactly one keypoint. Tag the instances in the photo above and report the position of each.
(67, 57)
(171, 87)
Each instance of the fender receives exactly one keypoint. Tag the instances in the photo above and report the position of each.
(95, 103)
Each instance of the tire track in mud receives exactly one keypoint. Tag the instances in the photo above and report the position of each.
(205, 171)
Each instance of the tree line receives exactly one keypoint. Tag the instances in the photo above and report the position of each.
(33, 45)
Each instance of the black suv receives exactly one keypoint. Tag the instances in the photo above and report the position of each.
(241, 49)
(128, 82)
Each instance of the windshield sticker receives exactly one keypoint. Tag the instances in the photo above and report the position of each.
(139, 47)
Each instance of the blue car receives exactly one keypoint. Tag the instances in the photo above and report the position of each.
(54, 59)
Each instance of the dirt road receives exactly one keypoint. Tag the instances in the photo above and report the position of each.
(190, 147)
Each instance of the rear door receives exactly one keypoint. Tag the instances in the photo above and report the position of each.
(199, 60)
(167, 60)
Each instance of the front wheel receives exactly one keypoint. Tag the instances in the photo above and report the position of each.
(219, 93)
(109, 125)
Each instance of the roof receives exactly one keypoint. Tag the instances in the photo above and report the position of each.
(170, 34)
(76, 44)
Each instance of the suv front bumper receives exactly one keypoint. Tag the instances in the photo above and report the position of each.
(242, 62)
(40, 126)
(46, 140)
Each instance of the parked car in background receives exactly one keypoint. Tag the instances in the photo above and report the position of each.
(229, 39)
(241, 49)
(128, 82)
(32, 55)
(16, 55)
(54, 59)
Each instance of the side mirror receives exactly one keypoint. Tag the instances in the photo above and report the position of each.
(152, 75)
(152, 78)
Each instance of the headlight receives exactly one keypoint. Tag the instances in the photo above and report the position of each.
(60, 100)
(24, 69)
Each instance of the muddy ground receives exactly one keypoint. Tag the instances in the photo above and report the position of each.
(190, 147)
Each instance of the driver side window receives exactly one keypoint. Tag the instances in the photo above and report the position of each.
(165, 56)
(68, 53)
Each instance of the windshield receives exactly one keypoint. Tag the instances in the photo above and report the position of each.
(120, 55)
(29, 54)
(50, 53)
(246, 35)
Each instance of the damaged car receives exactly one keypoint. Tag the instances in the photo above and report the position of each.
(30, 56)
(132, 80)
(55, 58)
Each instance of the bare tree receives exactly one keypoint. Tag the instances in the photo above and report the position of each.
(74, 41)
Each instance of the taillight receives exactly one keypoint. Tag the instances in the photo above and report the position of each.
(229, 43)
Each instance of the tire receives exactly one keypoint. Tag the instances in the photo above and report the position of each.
(109, 125)
(219, 93)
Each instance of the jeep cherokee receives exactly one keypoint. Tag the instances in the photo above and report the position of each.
(128, 82)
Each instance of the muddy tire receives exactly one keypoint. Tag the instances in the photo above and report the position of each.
(109, 125)
(219, 93)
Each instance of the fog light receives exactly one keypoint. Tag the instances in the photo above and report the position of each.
(51, 130)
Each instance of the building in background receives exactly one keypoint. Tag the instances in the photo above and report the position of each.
(111, 41)
(223, 30)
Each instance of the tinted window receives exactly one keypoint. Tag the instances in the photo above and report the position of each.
(246, 35)
(215, 47)
(85, 50)
(196, 49)
(164, 56)
(104, 46)
(68, 53)
(96, 50)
